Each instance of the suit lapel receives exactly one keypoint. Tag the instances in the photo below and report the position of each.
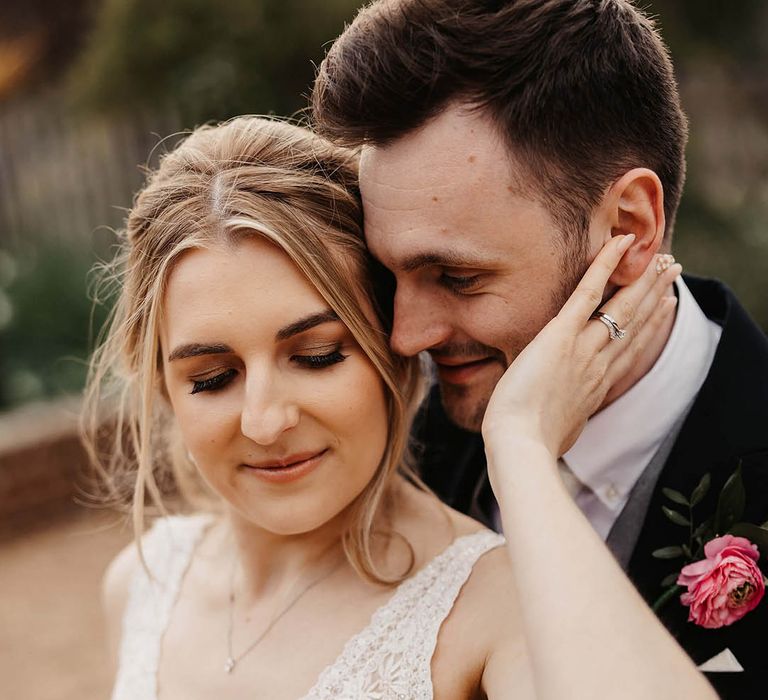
(727, 423)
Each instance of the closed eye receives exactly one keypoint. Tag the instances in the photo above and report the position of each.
(458, 284)
(313, 362)
(218, 381)
(320, 361)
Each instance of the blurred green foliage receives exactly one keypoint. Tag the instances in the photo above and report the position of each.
(47, 324)
(720, 51)
(214, 60)
(733, 32)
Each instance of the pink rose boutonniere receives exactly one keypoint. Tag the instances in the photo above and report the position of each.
(721, 578)
(724, 586)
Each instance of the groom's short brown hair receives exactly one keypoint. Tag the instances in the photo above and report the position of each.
(581, 90)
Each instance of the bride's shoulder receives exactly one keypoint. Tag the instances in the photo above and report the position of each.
(484, 621)
(115, 589)
(116, 585)
(434, 527)
(127, 564)
(429, 524)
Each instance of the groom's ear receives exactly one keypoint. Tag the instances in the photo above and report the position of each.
(635, 204)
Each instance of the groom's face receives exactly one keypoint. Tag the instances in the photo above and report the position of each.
(480, 265)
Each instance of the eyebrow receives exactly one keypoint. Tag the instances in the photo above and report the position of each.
(303, 324)
(195, 349)
(446, 259)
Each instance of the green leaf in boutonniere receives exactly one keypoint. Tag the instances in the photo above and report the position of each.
(672, 552)
(701, 489)
(665, 597)
(704, 531)
(675, 517)
(669, 580)
(675, 497)
(730, 505)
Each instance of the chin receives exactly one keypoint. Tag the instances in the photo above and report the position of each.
(465, 404)
(300, 516)
(465, 411)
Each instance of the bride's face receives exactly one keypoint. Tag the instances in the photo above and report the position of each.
(280, 409)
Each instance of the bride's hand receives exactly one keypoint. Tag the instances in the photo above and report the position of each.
(563, 376)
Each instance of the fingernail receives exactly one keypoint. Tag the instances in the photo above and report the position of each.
(627, 241)
(673, 271)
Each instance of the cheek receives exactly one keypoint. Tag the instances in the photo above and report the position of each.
(369, 414)
(531, 302)
(206, 422)
(359, 415)
(492, 319)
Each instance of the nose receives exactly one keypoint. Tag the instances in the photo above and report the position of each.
(268, 411)
(419, 323)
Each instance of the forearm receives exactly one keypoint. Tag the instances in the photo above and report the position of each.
(588, 631)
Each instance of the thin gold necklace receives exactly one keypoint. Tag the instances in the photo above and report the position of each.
(232, 660)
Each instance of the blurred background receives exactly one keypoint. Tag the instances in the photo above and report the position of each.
(88, 91)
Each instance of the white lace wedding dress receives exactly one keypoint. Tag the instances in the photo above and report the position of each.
(389, 659)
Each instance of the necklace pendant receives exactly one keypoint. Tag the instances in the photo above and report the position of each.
(229, 665)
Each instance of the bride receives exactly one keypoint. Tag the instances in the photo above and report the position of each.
(257, 399)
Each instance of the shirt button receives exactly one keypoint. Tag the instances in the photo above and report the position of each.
(611, 493)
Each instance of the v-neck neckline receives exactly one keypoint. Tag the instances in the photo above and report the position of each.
(379, 612)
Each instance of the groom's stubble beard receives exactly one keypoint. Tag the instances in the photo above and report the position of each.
(466, 405)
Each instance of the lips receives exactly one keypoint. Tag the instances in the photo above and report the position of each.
(459, 370)
(286, 469)
(287, 462)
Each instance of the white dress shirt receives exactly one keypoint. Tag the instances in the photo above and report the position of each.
(618, 443)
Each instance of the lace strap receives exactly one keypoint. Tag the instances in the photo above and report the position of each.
(391, 657)
(168, 548)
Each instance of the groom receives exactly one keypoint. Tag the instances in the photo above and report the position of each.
(502, 144)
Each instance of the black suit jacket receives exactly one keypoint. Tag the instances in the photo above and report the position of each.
(727, 423)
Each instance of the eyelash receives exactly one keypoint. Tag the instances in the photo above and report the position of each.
(213, 383)
(458, 284)
(320, 361)
(312, 362)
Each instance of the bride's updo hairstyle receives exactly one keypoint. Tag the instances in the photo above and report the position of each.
(247, 177)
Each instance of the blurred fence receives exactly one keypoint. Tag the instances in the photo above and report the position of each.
(66, 181)
(63, 175)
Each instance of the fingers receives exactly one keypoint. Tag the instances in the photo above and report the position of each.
(631, 307)
(589, 292)
(647, 291)
(622, 364)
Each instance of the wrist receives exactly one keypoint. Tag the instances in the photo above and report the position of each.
(518, 459)
(522, 472)
(523, 440)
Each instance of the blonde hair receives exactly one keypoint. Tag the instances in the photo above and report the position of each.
(249, 176)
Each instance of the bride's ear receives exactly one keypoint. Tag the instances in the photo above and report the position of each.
(635, 204)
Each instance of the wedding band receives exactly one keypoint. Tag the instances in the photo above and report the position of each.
(614, 332)
(664, 262)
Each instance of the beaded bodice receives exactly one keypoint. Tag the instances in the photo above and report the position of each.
(390, 659)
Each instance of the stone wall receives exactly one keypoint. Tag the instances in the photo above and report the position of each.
(42, 463)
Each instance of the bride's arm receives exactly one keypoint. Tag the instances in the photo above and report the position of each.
(587, 631)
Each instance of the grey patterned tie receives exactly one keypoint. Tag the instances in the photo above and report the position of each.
(625, 532)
